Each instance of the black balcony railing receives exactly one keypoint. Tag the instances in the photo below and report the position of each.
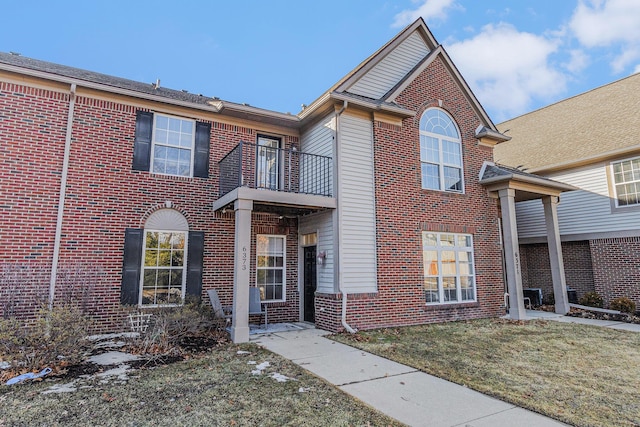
(260, 166)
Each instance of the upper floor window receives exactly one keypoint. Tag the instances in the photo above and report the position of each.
(173, 140)
(626, 176)
(440, 152)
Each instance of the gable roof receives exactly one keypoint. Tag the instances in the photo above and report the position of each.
(384, 75)
(596, 125)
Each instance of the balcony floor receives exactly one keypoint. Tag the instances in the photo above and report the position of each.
(275, 201)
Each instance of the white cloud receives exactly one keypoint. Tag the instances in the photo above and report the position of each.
(578, 61)
(609, 23)
(427, 9)
(507, 68)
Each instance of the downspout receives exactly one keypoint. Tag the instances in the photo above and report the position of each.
(344, 295)
(63, 190)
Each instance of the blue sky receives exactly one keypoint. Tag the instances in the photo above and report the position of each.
(516, 55)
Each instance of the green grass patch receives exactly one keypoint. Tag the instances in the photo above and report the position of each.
(216, 389)
(582, 375)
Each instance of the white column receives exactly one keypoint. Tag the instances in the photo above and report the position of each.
(550, 204)
(512, 254)
(242, 261)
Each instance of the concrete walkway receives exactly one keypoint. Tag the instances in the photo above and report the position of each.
(623, 326)
(402, 392)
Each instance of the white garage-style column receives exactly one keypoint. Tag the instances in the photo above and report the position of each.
(550, 204)
(240, 316)
(512, 254)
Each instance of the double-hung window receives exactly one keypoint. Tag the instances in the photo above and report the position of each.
(449, 275)
(173, 142)
(270, 266)
(440, 152)
(626, 176)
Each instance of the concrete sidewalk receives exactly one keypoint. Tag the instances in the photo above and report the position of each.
(402, 392)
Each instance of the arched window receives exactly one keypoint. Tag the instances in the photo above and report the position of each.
(440, 152)
(164, 259)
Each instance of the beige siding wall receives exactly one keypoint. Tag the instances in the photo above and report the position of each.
(584, 211)
(381, 78)
(318, 139)
(356, 205)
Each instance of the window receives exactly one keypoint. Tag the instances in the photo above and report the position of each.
(626, 176)
(174, 145)
(164, 268)
(268, 165)
(448, 268)
(173, 140)
(270, 265)
(440, 152)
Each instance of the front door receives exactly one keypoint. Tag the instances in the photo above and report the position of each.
(309, 283)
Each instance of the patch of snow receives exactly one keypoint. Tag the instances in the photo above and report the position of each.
(243, 352)
(251, 362)
(280, 378)
(120, 372)
(61, 388)
(259, 368)
(303, 390)
(113, 336)
(112, 358)
(5, 365)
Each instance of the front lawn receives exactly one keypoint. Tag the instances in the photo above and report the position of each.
(582, 375)
(218, 388)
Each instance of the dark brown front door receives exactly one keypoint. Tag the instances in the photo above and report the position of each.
(309, 283)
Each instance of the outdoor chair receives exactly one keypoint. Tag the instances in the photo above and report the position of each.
(219, 311)
(255, 304)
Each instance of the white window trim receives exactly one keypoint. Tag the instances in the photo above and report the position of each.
(284, 266)
(153, 145)
(184, 267)
(441, 164)
(615, 184)
(439, 248)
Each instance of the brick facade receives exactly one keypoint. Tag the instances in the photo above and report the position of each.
(404, 210)
(104, 196)
(616, 271)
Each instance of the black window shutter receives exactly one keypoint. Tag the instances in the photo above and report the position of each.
(201, 156)
(131, 266)
(142, 144)
(194, 263)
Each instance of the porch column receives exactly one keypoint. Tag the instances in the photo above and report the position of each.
(512, 254)
(242, 254)
(550, 204)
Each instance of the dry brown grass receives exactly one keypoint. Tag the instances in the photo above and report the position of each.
(217, 389)
(582, 375)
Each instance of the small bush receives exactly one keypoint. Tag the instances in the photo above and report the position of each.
(623, 304)
(170, 329)
(56, 337)
(592, 299)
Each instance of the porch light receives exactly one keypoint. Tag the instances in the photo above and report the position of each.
(322, 257)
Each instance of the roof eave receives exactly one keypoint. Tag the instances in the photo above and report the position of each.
(372, 105)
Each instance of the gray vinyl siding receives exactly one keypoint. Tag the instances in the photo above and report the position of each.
(388, 72)
(318, 139)
(584, 211)
(356, 206)
(323, 225)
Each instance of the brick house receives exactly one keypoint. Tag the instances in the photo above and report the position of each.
(590, 142)
(369, 208)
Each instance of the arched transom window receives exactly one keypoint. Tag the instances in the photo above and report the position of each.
(440, 152)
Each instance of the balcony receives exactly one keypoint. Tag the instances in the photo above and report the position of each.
(275, 176)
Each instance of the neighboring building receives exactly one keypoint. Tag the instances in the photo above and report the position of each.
(364, 210)
(589, 141)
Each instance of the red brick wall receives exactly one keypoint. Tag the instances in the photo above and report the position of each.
(404, 210)
(105, 196)
(536, 267)
(616, 268)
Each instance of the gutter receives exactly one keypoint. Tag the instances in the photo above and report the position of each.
(343, 318)
(63, 190)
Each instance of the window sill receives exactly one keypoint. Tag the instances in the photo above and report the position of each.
(437, 307)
